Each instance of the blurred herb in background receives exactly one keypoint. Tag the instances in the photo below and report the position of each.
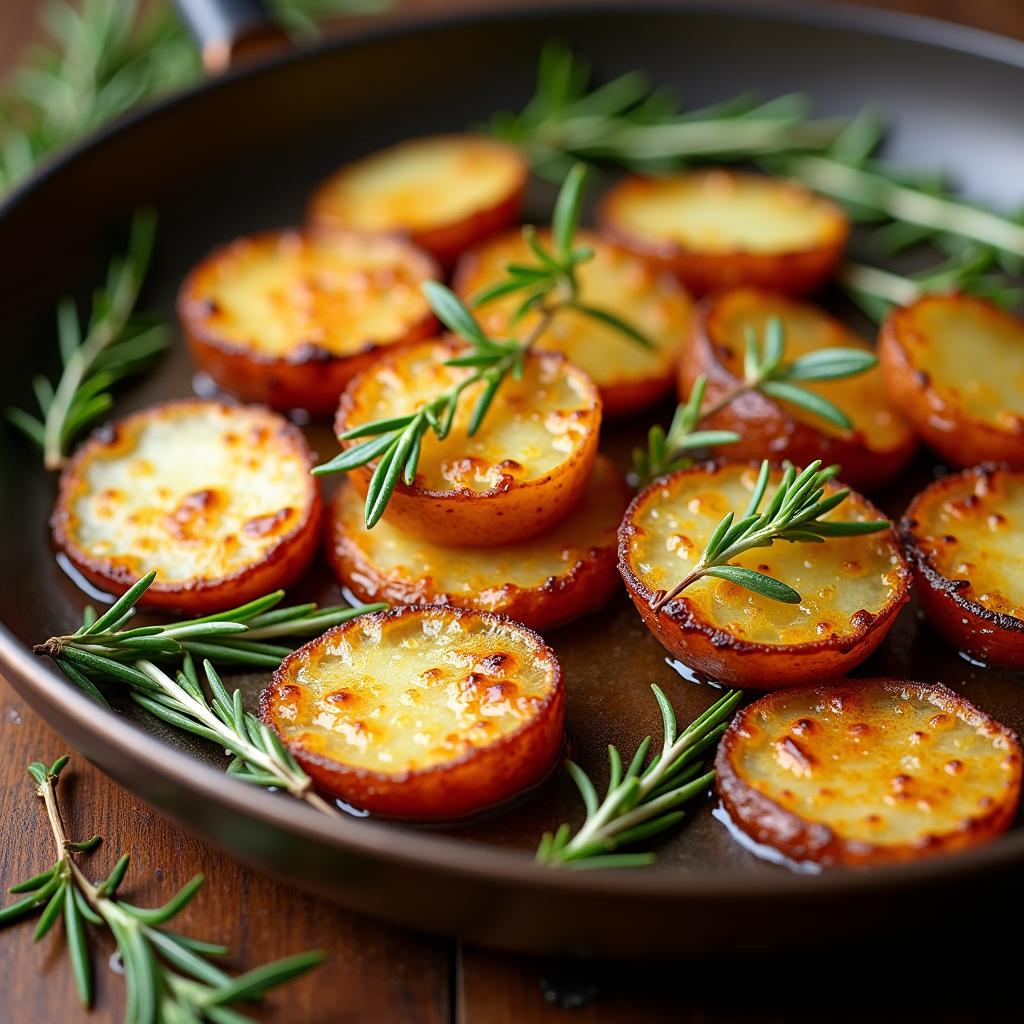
(100, 58)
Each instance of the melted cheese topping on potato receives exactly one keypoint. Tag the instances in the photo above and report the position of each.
(973, 355)
(486, 576)
(720, 212)
(294, 295)
(534, 424)
(194, 490)
(808, 329)
(396, 694)
(421, 184)
(614, 280)
(885, 764)
(842, 583)
(971, 527)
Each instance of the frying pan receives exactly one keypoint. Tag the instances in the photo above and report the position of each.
(239, 154)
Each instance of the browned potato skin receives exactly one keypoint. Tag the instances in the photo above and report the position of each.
(795, 273)
(765, 426)
(483, 778)
(585, 586)
(447, 242)
(754, 666)
(311, 379)
(971, 441)
(765, 821)
(280, 569)
(508, 512)
(993, 637)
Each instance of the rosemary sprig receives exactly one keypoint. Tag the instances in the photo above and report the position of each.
(550, 285)
(168, 977)
(627, 123)
(102, 651)
(765, 370)
(115, 345)
(794, 513)
(640, 802)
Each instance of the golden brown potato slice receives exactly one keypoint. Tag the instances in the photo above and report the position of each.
(442, 192)
(851, 587)
(629, 377)
(524, 469)
(429, 713)
(218, 499)
(965, 538)
(955, 365)
(873, 453)
(718, 228)
(542, 582)
(288, 318)
(868, 771)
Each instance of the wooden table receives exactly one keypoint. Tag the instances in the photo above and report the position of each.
(378, 974)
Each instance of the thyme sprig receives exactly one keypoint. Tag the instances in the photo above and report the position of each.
(551, 287)
(114, 344)
(640, 802)
(168, 977)
(628, 123)
(102, 651)
(765, 370)
(794, 513)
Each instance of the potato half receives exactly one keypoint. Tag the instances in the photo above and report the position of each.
(628, 376)
(720, 228)
(524, 469)
(542, 582)
(218, 499)
(851, 587)
(288, 318)
(964, 536)
(873, 453)
(868, 771)
(428, 713)
(442, 192)
(955, 365)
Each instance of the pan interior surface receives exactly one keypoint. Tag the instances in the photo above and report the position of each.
(243, 155)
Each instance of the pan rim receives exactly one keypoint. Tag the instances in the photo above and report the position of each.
(437, 851)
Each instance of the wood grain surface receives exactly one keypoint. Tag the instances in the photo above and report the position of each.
(378, 973)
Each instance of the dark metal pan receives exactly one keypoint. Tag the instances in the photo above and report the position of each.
(240, 154)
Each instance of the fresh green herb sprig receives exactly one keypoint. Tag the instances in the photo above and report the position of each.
(794, 513)
(106, 56)
(103, 651)
(627, 123)
(765, 370)
(550, 286)
(168, 977)
(640, 802)
(115, 344)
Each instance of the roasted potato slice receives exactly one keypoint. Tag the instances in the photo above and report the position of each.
(542, 582)
(964, 535)
(524, 469)
(442, 192)
(629, 377)
(218, 499)
(851, 587)
(955, 365)
(719, 228)
(873, 453)
(868, 771)
(288, 318)
(428, 713)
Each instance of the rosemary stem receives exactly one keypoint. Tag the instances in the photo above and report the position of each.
(858, 277)
(47, 791)
(662, 597)
(728, 398)
(852, 184)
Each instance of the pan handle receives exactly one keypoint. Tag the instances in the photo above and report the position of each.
(228, 32)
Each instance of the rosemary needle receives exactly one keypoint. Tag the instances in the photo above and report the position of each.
(168, 977)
